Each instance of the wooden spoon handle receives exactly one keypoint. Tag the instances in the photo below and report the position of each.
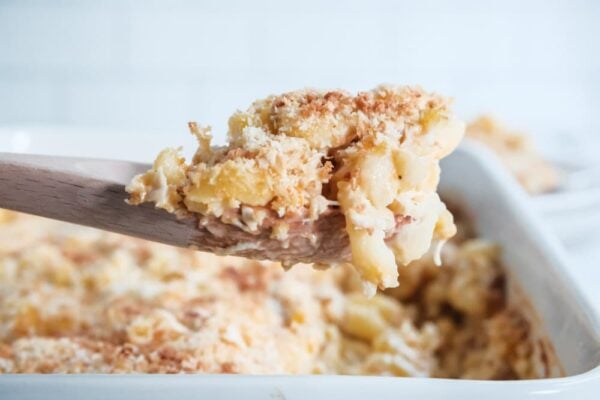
(91, 192)
(86, 192)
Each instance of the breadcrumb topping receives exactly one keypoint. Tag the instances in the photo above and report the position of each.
(78, 300)
(373, 155)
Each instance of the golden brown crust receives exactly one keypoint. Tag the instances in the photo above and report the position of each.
(78, 300)
(374, 155)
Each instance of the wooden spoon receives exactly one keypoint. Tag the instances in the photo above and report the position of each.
(92, 192)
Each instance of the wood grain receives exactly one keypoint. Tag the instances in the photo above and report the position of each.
(91, 192)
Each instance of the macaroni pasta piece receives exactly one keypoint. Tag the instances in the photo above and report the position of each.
(374, 156)
(78, 300)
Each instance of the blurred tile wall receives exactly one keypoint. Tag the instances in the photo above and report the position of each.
(152, 66)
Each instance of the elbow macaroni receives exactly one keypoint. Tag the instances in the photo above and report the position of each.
(374, 154)
(79, 300)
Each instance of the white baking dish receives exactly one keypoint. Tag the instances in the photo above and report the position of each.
(472, 175)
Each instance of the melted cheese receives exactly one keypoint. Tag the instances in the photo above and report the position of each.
(375, 154)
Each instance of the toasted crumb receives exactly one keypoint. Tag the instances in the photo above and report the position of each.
(78, 300)
(375, 155)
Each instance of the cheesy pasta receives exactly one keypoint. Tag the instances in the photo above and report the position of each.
(373, 156)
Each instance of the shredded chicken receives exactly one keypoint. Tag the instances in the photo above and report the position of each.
(373, 156)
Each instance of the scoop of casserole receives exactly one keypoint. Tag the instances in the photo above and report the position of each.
(294, 158)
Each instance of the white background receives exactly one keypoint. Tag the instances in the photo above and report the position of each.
(149, 66)
(154, 65)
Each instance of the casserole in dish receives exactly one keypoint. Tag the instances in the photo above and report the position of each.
(532, 258)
